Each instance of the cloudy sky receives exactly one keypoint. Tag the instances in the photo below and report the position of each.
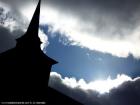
(96, 43)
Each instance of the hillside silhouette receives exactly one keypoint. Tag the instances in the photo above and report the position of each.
(25, 70)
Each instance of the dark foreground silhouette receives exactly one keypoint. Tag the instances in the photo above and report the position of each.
(25, 70)
(56, 98)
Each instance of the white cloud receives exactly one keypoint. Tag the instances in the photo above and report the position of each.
(85, 33)
(17, 24)
(44, 39)
(101, 86)
(109, 31)
(120, 91)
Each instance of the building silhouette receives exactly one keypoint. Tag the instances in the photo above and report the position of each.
(25, 69)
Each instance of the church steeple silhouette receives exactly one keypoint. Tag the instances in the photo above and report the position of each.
(25, 69)
(31, 35)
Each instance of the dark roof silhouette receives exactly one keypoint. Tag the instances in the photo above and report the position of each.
(57, 98)
(25, 69)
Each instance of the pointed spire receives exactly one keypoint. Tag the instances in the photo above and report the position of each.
(34, 24)
(30, 42)
(32, 32)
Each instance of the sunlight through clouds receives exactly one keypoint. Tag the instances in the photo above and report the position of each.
(123, 90)
(101, 86)
(87, 34)
(104, 86)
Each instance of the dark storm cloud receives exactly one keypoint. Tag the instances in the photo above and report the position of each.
(15, 5)
(14, 22)
(6, 40)
(122, 8)
(12, 19)
(109, 16)
(10, 29)
(108, 5)
(14, 10)
(126, 94)
(105, 14)
(18, 3)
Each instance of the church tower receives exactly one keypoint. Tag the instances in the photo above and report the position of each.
(25, 69)
(31, 35)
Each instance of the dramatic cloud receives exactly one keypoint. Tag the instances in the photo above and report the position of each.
(121, 91)
(110, 26)
(6, 39)
(13, 25)
(15, 22)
